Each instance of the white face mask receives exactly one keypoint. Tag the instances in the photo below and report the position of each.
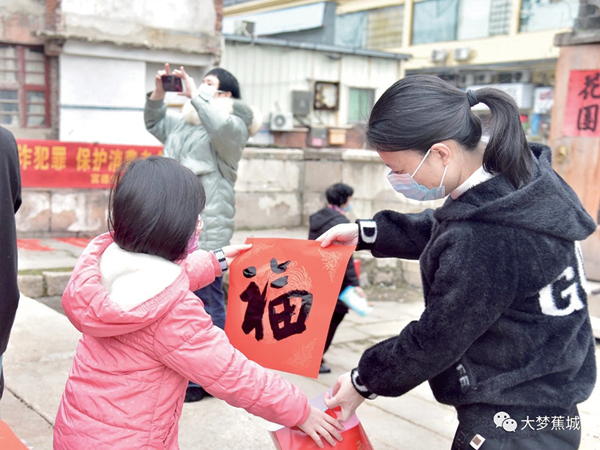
(406, 185)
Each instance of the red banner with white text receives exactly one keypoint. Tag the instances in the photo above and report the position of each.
(57, 164)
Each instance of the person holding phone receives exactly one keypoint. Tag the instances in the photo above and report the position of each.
(208, 139)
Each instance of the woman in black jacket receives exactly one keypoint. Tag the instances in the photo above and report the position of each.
(505, 336)
(339, 197)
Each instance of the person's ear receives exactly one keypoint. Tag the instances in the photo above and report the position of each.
(444, 151)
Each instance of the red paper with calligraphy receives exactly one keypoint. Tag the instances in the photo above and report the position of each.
(282, 293)
(583, 104)
(60, 164)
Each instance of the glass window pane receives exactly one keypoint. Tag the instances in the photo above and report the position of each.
(360, 105)
(34, 54)
(8, 76)
(9, 120)
(539, 15)
(500, 17)
(351, 30)
(8, 95)
(35, 78)
(36, 96)
(473, 19)
(435, 21)
(6, 63)
(36, 108)
(385, 27)
(36, 121)
(8, 51)
(34, 66)
(9, 107)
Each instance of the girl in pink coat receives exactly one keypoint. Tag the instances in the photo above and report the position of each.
(145, 333)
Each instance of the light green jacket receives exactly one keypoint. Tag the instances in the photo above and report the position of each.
(212, 150)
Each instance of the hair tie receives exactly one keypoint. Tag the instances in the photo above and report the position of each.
(472, 98)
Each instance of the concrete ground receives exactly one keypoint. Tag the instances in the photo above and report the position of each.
(43, 344)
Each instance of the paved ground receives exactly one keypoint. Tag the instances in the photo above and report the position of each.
(43, 344)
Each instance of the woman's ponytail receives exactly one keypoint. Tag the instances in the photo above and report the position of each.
(507, 151)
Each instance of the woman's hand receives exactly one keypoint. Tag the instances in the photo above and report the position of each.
(159, 92)
(323, 425)
(233, 251)
(342, 234)
(344, 395)
(189, 86)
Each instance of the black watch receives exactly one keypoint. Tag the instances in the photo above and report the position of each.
(221, 258)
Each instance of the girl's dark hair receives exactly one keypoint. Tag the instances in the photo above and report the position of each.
(338, 194)
(153, 207)
(227, 82)
(421, 110)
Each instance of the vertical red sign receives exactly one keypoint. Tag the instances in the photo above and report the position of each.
(583, 104)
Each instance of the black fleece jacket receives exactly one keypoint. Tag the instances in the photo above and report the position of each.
(10, 201)
(319, 223)
(506, 325)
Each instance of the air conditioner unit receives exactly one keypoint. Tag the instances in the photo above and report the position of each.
(483, 78)
(462, 53)
(466, 79)
(282, 121)
(243, 28)
(439, 55)
(523, 76)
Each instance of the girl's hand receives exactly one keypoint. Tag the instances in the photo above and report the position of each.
(189, 86)
(344, 395)
(233, 251)
(323, 425)
(159, 92)
(342, 234)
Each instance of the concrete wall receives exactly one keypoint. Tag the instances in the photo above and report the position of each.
(276, 188)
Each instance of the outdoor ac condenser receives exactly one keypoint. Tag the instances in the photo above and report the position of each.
(282, 121)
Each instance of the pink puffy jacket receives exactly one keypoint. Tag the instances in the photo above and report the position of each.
(145, 334)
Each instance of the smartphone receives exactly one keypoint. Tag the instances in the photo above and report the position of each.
(171, 83)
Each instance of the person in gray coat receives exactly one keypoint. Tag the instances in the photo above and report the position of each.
(208, 139)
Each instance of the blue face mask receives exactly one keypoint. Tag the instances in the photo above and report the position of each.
(406, 185)
(347, 208)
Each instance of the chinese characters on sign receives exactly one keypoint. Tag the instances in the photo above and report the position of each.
(74, 164)
(583, 101)
(282, 293)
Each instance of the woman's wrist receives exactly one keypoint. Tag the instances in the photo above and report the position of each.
(367, 234)
(359, 386)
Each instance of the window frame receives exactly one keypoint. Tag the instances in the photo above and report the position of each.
(371, 92)
(24, 88)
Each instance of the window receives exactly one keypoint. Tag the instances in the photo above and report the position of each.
(23, 92)
(385, 27)
(375, 29)
(451, 20)
(360, 104)
(483, 18)
(539, 15)
(435, 21)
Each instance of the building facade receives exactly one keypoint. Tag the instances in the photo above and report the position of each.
(78, 71)
(469, 43)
